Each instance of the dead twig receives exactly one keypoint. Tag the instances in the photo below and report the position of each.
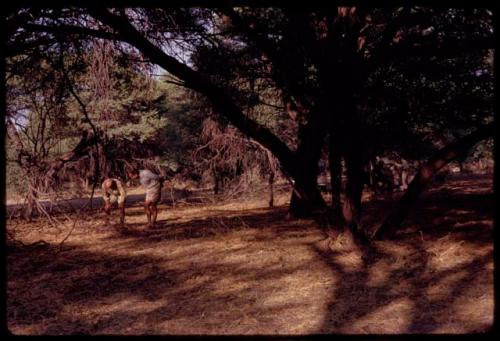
(67, 236)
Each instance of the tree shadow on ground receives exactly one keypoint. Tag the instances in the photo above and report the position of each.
(202, 289)
(358, 302)
(214, 223)
(133, 291)
(44, 289)
(411, 295)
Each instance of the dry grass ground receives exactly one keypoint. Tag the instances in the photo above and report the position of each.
(241, 268)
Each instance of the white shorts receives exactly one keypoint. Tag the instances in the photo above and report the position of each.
(153, 194)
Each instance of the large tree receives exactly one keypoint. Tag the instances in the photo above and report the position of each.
(322, 64)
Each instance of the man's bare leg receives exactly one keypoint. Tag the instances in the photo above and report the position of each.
(148, 212)
(154, 209)
(121, 206)
(107, 210)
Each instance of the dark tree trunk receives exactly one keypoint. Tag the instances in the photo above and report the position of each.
(30, 205)
(306, 197)
(271, 189)
(346, 133)
(335, 161)
(217, 184)
(351, 209)
(425, 175)
(349, 129)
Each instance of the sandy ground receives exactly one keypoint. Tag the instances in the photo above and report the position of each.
(135, 196)
(241, 268)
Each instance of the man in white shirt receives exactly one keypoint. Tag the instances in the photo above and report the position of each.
(152, 183)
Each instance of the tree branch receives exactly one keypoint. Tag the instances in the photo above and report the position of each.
(70, 29)
(12, 50)
(194, 80)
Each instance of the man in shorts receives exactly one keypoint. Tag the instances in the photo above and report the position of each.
(113, 191)
(152, 183)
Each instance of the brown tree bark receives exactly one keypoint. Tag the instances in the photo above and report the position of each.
(271, 189)
(30, 201)
(425, 175)
(353, 155)
(335, 161)
(306, 197)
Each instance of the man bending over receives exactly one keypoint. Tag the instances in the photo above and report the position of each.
(113, 191)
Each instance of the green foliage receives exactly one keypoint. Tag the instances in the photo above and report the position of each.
(184, 112)
(147, 127)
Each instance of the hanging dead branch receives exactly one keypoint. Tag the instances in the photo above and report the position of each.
(227, 156)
